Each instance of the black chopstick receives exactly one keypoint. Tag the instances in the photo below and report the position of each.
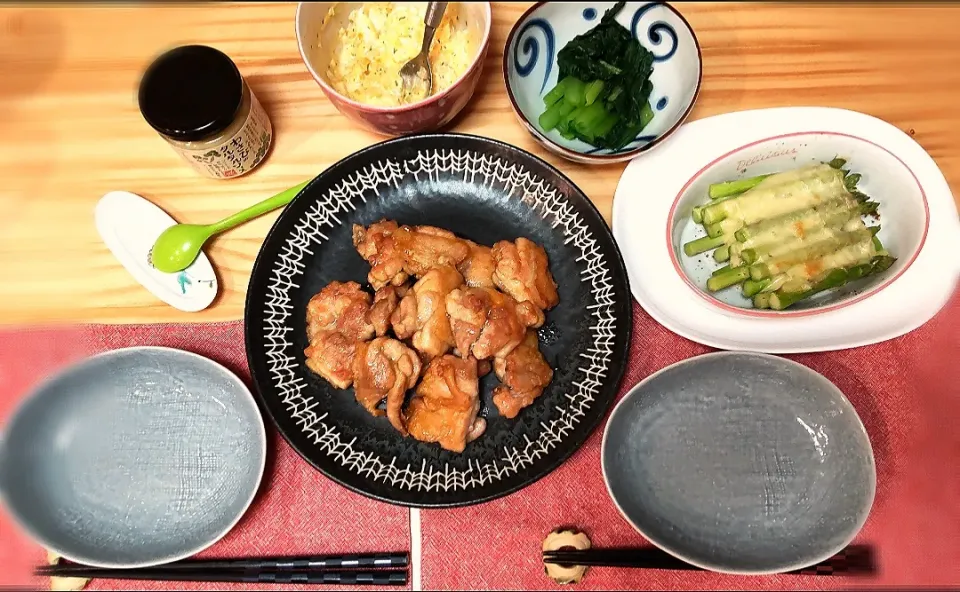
(854, 560)
(386, 577)
(306, 562)
(648, 558)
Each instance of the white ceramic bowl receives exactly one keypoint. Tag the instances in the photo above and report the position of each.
(885, 178)
(530, 69)
(912, 293)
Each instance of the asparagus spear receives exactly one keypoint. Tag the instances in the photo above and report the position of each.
(831, 213)
(793, 242)
(837, 163)
(706, 243)
(814, 255)
(728, 226)
(809, 252)
(731, 188)
(797, 277)
(727, 278)
(698, 210)
(761, 300)
(752, 287)
(850, 182)
(785, 193)
(876, 242)
(882, 263)
(722, 254)
(835, 278)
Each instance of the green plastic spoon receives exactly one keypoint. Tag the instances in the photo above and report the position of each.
(178, 246)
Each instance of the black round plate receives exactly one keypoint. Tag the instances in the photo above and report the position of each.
(482, 190)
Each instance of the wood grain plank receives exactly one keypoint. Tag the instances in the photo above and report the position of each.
(71, 130)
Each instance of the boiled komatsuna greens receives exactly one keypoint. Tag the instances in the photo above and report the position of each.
(602, 96)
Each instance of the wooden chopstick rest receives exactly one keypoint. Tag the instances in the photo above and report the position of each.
(61, 583)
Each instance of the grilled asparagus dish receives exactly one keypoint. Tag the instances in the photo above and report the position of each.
(786, 236)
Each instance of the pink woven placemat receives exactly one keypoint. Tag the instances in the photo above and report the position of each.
(906, 391)
(297, 511)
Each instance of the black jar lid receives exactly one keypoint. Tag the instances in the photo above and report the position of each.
(191, 92)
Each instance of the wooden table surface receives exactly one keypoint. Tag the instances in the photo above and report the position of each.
(70, 129)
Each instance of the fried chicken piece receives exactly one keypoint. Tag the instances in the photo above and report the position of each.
(387, 368)
(433, 336)
(467, 311)
(487, 323)
(484, 367)
(524, 373)
(445, 406)
(336, 323)
(477, 268)
(404, 318)
(523, 272)
(397, 252)
(342, 307)
(385, 302)
(378, 246)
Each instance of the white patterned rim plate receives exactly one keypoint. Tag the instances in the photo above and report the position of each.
(482, 190)
(650, 187)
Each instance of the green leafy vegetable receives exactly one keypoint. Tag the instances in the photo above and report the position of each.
(605, 66)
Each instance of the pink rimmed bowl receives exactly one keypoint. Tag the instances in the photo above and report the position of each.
(904, 215)
(316, 35)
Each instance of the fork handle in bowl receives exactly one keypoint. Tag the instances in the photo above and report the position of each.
(432, 20)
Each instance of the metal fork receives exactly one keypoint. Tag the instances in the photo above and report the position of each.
(418, 70)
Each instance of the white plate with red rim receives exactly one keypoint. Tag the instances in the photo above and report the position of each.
(918, 218)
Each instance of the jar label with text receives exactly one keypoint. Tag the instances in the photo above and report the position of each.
(240, 154)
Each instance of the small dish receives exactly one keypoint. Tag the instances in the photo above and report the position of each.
(649, 188)
(740, 463)
(129, 225)
(133, 458)
(530, 69)
(903, 211)
(316, 34)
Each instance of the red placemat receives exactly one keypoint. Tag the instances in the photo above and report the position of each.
(906, 391)
(297, 511)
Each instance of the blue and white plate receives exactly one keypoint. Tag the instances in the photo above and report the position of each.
(530, 69)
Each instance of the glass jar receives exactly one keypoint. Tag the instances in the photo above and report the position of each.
(196, 99)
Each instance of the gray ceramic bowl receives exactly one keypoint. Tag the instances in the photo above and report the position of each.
(133, 458)
(740, 463)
